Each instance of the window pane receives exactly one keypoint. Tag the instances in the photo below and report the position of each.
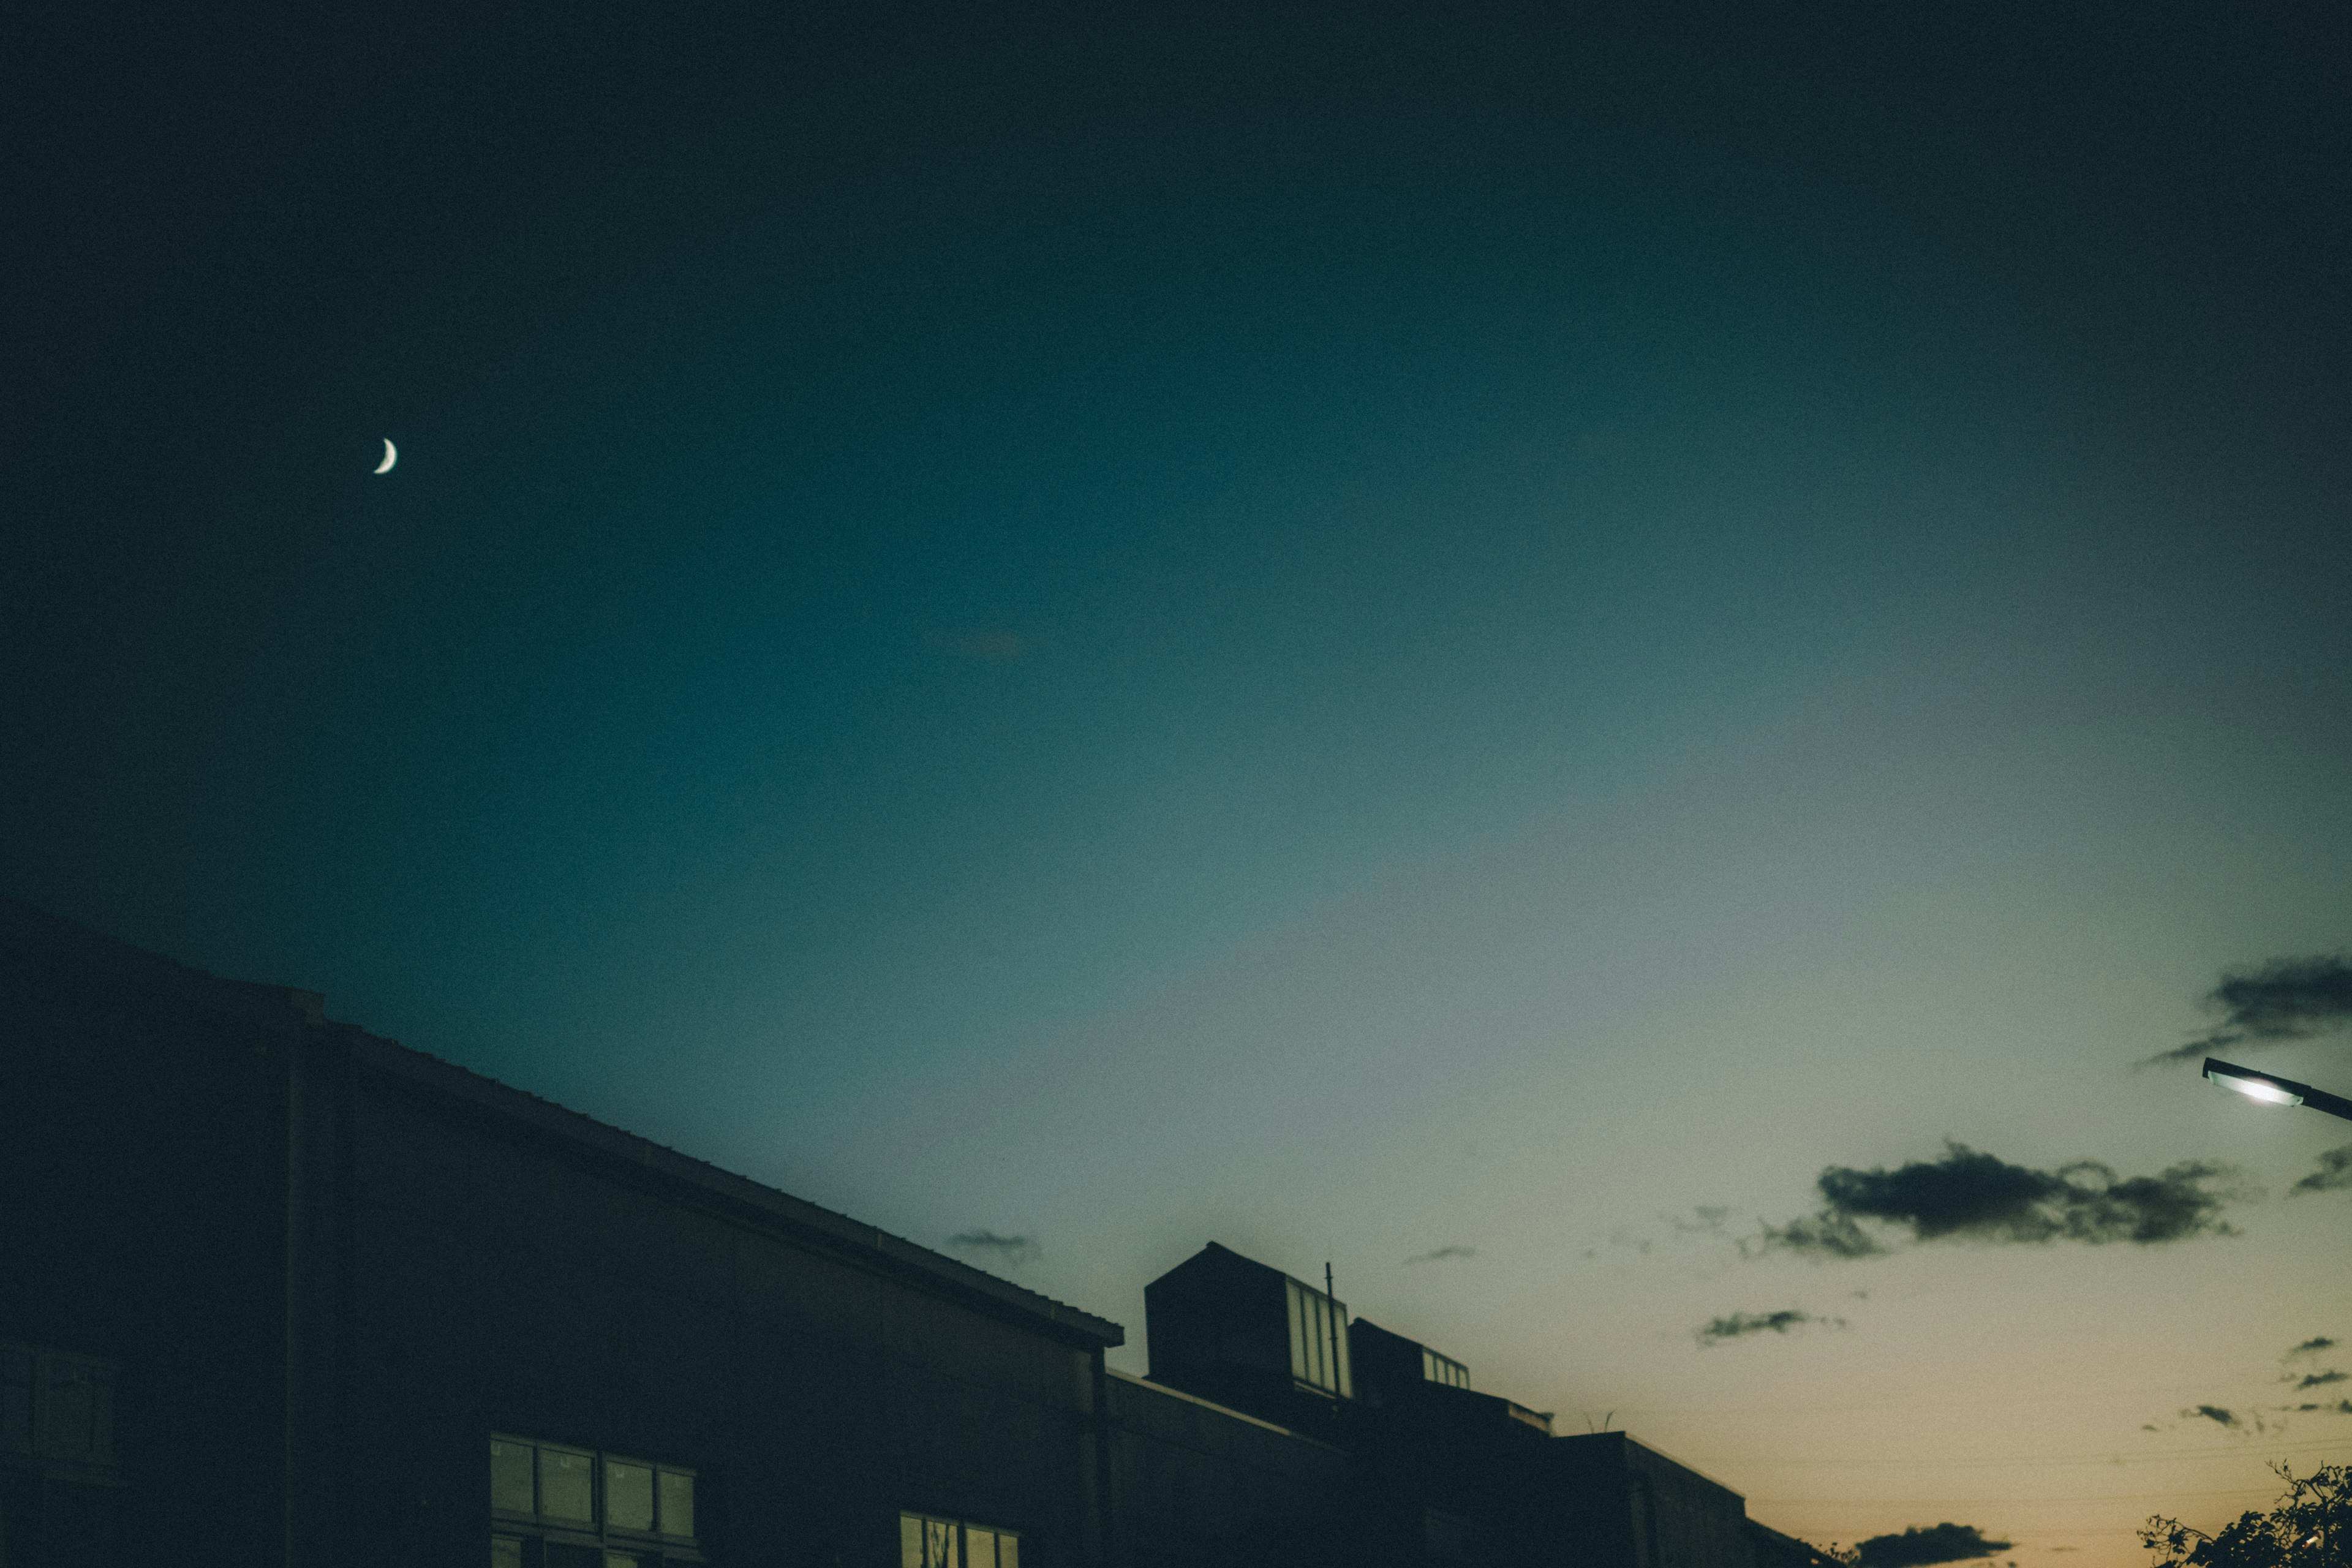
(939, 1542)
(565, 1486)
(910, 1542)
(979, 1547)
(628, 1495)
(506, 1552)
(677, 1504)
(1008, 1550)
(1343, 1382)
(615, 1560)
(16, 1399)
(1297, 1330)
(67, 1401)
(511, 1476)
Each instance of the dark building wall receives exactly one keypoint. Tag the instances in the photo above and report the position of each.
(140, 1141)
(1388, 1366)
(1196, 1484)
(317, 1255)
(1642, 1510)
(507, 1285)
(1220, 1328)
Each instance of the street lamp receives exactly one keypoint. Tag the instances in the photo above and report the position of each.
(2272, 1090)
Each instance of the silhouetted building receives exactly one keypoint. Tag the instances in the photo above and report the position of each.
(275, 1292)
(1194, 1483)
(1441, 1472)
(278, 1291)
(1776, 1550)
(1233, 1330)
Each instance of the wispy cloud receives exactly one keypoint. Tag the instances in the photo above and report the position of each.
(1973, 1196)
(1441, 1254)
(2341, 1407)
(2335, 1170)
(2311, 1346)
(1739, 1325)
(2321, 1379)
(2285, 999)
(1008, 1249)
(1917, 1548)
(2219, 1414)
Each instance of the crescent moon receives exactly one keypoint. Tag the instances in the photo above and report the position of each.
(391, 456)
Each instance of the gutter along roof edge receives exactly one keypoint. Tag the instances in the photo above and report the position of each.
(58, 950)
(798, 1214)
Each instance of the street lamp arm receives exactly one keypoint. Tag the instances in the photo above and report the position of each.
(2276, 1090)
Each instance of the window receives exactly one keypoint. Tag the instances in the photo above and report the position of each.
(59, 1481)
(927, 1541)
(1318, 1326)
(56, 1405)
(555, 1506)
(1445, 1537)
(1443, 1369)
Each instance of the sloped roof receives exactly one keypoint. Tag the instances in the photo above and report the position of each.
(46, 946)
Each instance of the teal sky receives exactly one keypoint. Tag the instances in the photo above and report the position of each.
(1355, 636)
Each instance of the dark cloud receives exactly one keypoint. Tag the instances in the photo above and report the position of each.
(1442, 1254)
(1741, 1324)
(1915, 1548)
(2217, 1415)
(2285, 999)
(1826, 1234)
(2341, 1407)
(2311, 1346)
(2335, 1170)
(1973, 1196)
(1009, 1249)
(2320, 1380)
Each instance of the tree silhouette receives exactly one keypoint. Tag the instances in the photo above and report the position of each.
(2310, 1527)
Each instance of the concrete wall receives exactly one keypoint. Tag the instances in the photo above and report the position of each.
(506, 1285)
(329, 1269)
(1193, 1483)
(141, 1220)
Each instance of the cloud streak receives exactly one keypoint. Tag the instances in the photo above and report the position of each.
(1917, 1548)
(1741, 1325)
(2285, 999)
(2335, 1173)
(1970, 1197)
(1441, 1254)
(1005, 1248)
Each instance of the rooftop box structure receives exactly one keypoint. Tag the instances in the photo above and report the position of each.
(1232, 1330)
(1388, 1367)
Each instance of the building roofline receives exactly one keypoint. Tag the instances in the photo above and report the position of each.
(1220, 1409)
(1656, 1452)
(298, 1010)
(805, 1220)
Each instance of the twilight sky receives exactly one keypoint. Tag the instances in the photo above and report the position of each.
(1512, 647)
